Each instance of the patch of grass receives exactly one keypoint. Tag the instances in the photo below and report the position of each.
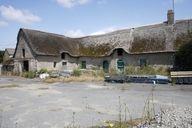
(98, 75)
(9, 86)
(101, 73)
(76, 72)
(123, 88)
(43, 88)
(114, 71)
(43, 70)
(145, 70)
(82, 78)
(29, 74)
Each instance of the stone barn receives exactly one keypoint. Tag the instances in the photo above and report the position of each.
(8, 61)
(151, 44)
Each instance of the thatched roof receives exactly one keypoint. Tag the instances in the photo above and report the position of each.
(10, 51)
(43, 43)
(153, 38)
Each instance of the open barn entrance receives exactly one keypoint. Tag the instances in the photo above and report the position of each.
(26, 65)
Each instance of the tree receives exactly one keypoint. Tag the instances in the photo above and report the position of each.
(183, 57)
(1, 56)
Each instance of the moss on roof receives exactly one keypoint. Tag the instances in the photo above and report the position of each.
(8, 62)
(44, 43)
(145, 39)
(145, 45)
(95, 50)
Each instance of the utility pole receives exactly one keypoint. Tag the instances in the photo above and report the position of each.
(173, 6)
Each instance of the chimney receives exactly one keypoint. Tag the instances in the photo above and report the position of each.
(170, 17)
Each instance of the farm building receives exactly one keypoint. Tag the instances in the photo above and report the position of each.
(151, 44)
(8, 61)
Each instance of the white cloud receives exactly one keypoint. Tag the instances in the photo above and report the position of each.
(71, 3)
(102, 2)
(105, 30)
(24, 16)
(76, 33)
(82, 1)
(3, 24)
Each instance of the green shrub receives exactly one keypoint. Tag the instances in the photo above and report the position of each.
(29, 74)
(149, 70)
(43, 70)
(183, 57)
(130, 70)
(101, 73)
(113, 71)
(24, 74)
(76, 72)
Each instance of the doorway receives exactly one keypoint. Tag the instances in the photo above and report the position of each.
(26, 65)
(105, 65)
(64, 65)
(120, 65)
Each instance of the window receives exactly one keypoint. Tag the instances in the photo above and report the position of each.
(143, 62)
(120, 65)
(23, 52)
(54, 64)
(84, 64)
(120, 52)
(62, 55)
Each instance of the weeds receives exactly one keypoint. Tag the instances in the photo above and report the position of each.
(82, 78)
(76, 72)
(123, 88)
(9, 86)
(147, 70)
(149, 112)
(147, 115)
(98, 75)
(43, 70)
(121, 123)
(101, 73)
(29, 74)
(73, 122)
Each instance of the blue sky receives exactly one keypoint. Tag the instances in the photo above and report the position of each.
(77, 18)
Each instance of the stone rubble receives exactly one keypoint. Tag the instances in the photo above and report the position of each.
(173, 117)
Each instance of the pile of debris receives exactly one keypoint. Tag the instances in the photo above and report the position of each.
(154, 79)
(56, 74)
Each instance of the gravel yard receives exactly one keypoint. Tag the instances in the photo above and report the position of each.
(30, 103)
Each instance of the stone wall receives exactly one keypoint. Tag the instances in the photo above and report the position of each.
(19, 58)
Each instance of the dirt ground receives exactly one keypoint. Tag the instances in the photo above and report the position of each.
(30, 103)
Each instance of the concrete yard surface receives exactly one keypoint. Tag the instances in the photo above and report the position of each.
(30, 103)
